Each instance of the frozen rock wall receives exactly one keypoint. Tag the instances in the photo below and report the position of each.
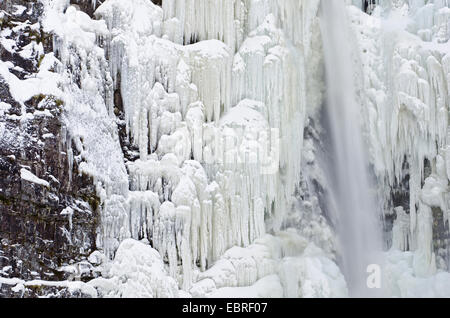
(188, 141)
(185, 116)
(404, 51)
(48, 219)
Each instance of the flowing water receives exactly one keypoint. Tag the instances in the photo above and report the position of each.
(353, 205)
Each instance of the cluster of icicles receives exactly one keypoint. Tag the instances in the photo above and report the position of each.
(214, 122)
(406, 108)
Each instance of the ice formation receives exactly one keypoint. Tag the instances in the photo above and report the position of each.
(190, 117)
(29, 176)
(404, 52)
(212, 167)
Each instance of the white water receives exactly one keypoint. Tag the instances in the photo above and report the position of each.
(354, 206)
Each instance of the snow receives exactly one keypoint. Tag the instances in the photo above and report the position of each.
(29, 176)
(401, 281)
(43, 82)
(19, 9)
(267, 287)
(72, 286)
(87, 108)
(22, 90)
(69, 212)
(4, 107)
(285, 265)
(137, 271)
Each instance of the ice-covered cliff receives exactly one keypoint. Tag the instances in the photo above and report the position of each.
(404, 54)
(196, 128)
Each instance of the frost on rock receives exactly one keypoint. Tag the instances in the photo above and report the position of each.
(87, 96)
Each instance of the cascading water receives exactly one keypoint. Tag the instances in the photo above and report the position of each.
(353, 207)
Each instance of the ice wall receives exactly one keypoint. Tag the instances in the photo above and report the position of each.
(215, 98)
(404, 50)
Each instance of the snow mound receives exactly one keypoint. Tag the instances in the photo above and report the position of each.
(136, 271)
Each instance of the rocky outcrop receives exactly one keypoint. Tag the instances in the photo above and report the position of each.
(47, 220)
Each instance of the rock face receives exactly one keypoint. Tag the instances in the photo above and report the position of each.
(46, 225)
(47, 220)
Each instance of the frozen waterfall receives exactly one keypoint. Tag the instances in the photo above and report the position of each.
(225, 148)
(354, 206)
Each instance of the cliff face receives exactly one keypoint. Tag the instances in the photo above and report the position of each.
(38, 180)
(403, 48)
(175, 148)
(129, 119)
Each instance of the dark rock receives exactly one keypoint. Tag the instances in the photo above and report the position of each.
(441, 239)
(35, 239)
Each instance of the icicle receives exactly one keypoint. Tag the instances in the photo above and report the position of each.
(401, 230)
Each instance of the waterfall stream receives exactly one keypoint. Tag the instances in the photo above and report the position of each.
(353, 206)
